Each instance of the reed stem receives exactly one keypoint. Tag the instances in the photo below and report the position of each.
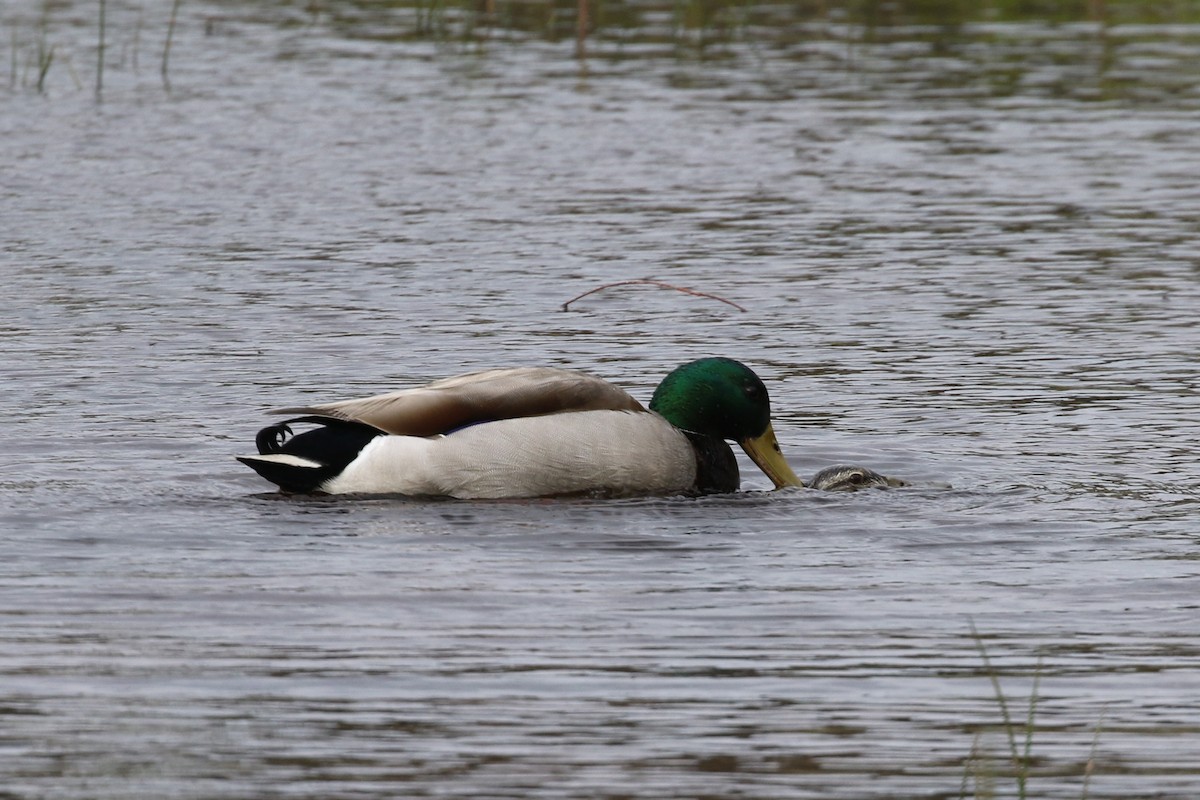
(100, 50)
(1091, 762)
(166, 57)
(45, 59)
(581, 28)
(1020, 762)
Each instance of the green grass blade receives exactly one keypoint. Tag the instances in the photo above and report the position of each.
(1000, 699)
(1091, 762)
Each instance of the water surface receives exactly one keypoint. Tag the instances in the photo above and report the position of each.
(968, 262)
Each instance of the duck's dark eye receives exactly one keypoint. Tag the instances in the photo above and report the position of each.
(752, 390)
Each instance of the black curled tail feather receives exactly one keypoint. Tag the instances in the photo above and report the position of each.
(316, 455)
(271, 438)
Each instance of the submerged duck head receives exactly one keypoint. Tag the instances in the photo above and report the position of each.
(723, 399)
(843, 478)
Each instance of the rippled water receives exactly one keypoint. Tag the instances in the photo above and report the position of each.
(974, 269)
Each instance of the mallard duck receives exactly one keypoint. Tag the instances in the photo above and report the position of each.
(843, 478)
(531, 432)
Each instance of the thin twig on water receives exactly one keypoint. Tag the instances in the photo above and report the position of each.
(651, 282)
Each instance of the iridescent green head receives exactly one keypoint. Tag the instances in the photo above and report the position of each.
(724, 399)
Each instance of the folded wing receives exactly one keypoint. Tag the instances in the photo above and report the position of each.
(453, 403)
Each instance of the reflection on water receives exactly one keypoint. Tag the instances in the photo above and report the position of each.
(967, 257)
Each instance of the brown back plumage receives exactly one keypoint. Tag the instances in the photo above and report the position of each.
(445, 405)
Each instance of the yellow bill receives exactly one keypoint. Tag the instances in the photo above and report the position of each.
(764, 451)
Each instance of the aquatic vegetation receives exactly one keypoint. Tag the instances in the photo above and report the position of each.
(698, 23)
(166, 56)
(694, 29)
(100, 50)
(981, 772)
(1018, 756)
(45, 57)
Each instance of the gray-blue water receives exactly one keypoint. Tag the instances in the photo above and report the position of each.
(973, 266)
